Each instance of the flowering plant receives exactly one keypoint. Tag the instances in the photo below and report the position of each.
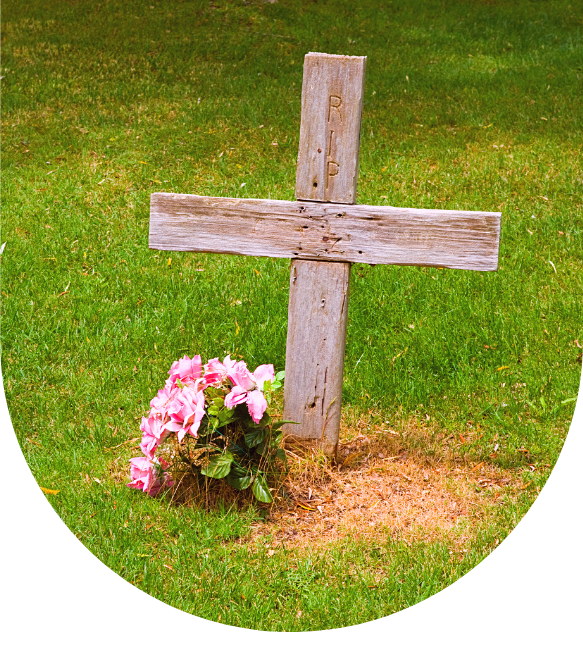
(218, 413)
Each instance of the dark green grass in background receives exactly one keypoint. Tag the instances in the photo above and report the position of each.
(468, 106)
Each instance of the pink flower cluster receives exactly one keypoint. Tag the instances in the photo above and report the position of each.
(180, 406)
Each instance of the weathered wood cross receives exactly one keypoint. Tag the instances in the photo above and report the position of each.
(324, 232)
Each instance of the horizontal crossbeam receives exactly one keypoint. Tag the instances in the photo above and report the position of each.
(325, 231)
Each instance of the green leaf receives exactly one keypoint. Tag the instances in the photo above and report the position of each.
(238, 471)
(254, 438)
(218, 466)
(216, 406)
(260, 489)
(247, 424)
(239, 483)
(281, 455)
(277, 382)
(236, 449)
(252, 425)
(239, 477)
(226, 415)
(213, 392)
(276, 425)
(264, 421)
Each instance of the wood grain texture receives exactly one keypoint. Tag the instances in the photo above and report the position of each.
(316, 336)
(331, 229)
(332, 95)
(327, 171)
(325, 231)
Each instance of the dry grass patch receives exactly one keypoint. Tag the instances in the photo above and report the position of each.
(413, 484)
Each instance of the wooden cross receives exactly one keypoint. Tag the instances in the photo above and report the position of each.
(324, 232)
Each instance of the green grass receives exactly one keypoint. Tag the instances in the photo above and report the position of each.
(467, 106)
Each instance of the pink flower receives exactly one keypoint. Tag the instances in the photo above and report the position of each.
(154, 435)
(248, 388)
(215, 372)
(186, 411)
(148, 476)
(263, 373)
(186, 369)
(160, 402)
(256, 404)
(241, 377)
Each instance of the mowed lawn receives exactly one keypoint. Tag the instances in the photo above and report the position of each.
(471, 105)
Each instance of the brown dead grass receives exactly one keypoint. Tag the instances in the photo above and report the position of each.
(411, 484)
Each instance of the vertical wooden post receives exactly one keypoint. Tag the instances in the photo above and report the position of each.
(332, 93)
(332, 96)
(316, 336)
